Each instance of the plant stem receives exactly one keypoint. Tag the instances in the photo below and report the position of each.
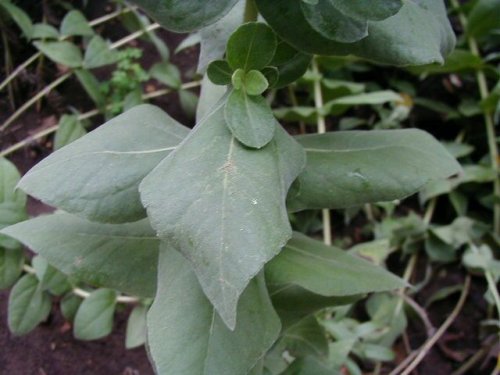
(251, 12)
(488, 120)
(85, 116)
(321, 123)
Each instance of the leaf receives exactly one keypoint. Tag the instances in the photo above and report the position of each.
(11, 266)
(255, 83)
(44, 31)
(167, 73)
(69, 130)
(136, 327)
(210, 94)
(12, 201)
(418, 34)
(189, 103)
(28, 305)
(75, 24)
(483, 18)
(20, 17)
(94, 318)
(345, 21)
(225, 210)
(50, 278)
(119, 256)
(308, 366)
(351, 168)
(92, 86)
(251, 46)
(186, 15)
(65, 53)
(220, 72)
(70, 305)
(326, 270)
(98, 53)
(185, 334)
(305, 338)
(97, 176)
(249, 118)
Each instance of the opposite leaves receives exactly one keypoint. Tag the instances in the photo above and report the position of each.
(222, 205)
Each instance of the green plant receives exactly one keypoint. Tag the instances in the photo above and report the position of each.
(198, 220)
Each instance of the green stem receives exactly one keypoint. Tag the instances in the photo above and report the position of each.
(251, 11)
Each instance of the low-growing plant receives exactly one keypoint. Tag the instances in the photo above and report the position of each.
(198, 220)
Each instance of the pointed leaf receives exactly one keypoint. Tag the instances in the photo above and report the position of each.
(98, 53)
(350, 168)
(251, 46)
(136, 327)
(307, 337)
(20, 17)
(65, 53)
(167, 73)
(249, 118)
(221, 204)
(120, 256)
(92, 86)
(69, 130)
(28, 305)
(44, 31)
(97, 176)
(75, 24)
(186, 15)
(94, 318)
(185, 334)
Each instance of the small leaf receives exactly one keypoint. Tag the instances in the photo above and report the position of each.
(242, 189)
(50, 278)
(94, 318)
(220, 72)
(92, 86)
(185, 334)
(28, 305)
(69, 130)
(77, 177)
(250, 119)
(251, 46)
(75, 24)
(120, 256)
(65, 53)
(189, 103)
(255, 83)
(20, 17)
(44, 31)
(271, 74)
(69, 306)
(136, 327)
(99, 54)
(306, 338)
(167, 73)
(238, 79)
(11, 266)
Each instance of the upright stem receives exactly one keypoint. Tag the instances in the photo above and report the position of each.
(488, 120)
(251, 11)
(318, 102)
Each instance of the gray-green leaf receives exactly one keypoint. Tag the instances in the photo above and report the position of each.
(351, 168)
(29, 305)
(136, 327)
(249, 118)
(11, 266)
(222, 205)
(65, 53)
(94, 318)
(98, 53)
(185, 334)
(75, 24)
(97, 176)
(69, 130)
(119, 256)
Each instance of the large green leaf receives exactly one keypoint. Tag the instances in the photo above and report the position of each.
(94, 318)
(347, 21)
(419, 33)
(186, 15)
(222, 205)
(351, 168)
(186, 335)
(97, 176)
(326, 270)
(119, 256)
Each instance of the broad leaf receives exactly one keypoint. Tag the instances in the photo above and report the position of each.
(29, 305)
(44, 31)
(69, 130)
(418, 34)
(186, 15)
(346, 21)
(249, 118)
(251, 46)
(351, 168)
(65, 53)
(98, 53)
(186, 335)
(94, 318)
(97, 176)
(11, 266)
(119, 256)
(222, 205)
(220, 72)
(326, 270)
(75, 24)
